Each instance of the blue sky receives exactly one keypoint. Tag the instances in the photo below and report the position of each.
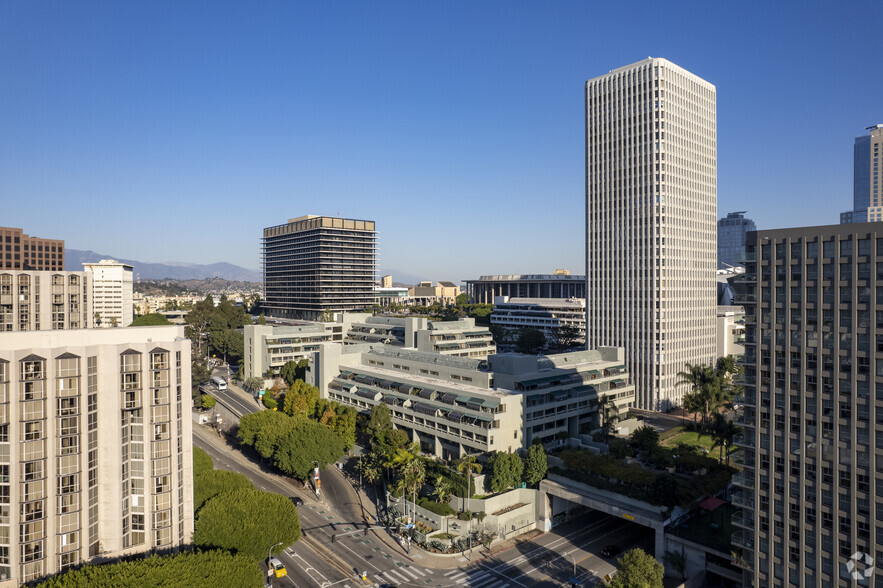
(175, 131)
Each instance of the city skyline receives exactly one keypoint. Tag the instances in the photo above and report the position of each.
(455, 118)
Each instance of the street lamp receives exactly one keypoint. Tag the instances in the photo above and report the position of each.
(269, 567)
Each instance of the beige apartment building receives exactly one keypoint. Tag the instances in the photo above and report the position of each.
(44, 300)
(95, 447)
(19, 251)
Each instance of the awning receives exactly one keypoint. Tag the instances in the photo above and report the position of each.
(448, 398)
(451, 345)
(345, 374)
(367, 394)
(540, 381)
(389, 400)
(711, 503)
(405, 388)
(484, 417)
(388, 384)
(423, 408)
(426, 393)
(470, 333)
(455, 416)
(490, 403)
(464, 399)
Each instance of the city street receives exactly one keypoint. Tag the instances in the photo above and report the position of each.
(571, 551)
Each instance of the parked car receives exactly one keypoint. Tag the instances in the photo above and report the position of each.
(297, 500)
(611, 551)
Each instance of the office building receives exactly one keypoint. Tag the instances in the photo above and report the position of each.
(811, 487)
(867, 199)
(547, 315)
(425, 294)
(454, 406)
(318, 264)
(651, 230)
(65, 303)
(731, 233)
(23, 252)
(95, 447)
(558, 285)
(268, 348)
(112, 299)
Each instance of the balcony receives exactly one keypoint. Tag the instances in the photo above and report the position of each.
(740, 562)
(743, 519)
(744, 440)
(743, 499)
(745, 459)
(742, 539)
(745, 398)
(743, 480)
(739, 299)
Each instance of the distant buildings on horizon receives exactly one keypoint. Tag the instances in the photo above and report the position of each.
(867, 204)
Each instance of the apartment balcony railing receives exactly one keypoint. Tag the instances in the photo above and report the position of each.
(744, 440)
(740, 298)
(743, 499)
(742, 539)
(745, 398)
(743, 519)
(740, 562)
(743, 480)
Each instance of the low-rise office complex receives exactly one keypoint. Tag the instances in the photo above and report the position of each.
(95, 447)
(558, 285)
(548, 315)
(268, 348)
(455, 406)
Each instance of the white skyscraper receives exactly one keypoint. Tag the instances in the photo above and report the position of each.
(111, 293)
(651, 222)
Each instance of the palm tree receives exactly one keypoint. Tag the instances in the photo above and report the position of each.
(703, 381)
(723, 431)
(442, 489)
(693, 403)
(609, 415)
(468, 464)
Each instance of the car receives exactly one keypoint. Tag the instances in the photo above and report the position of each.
(611, 551)
(297, 500)
(277, 567)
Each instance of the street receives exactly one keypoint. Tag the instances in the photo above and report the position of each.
(549, 560)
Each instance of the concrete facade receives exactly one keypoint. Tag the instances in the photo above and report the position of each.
(425, 294)
(43, 300)
(730, 331)
(454, 406)
(112, 287)
(651, 222)
(811, 483)
(544, 314)
(558, 285)
(95, 447)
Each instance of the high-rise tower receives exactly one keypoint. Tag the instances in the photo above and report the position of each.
(651, 231)
(867, 201)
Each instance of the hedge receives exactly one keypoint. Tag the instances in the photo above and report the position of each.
(201, 569)
(442, 509)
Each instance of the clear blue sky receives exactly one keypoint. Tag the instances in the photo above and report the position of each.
(175, 131)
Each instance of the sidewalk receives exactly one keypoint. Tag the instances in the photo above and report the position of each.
(418, 555)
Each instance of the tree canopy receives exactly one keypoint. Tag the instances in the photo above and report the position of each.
(201, 462)
(193, 569)
(149, 320)
(535, 465)
(247, 521)
(379, 421)
(209, 484)
(530, 340)
(506, 470)
(637, 569)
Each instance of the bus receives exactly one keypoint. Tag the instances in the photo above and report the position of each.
(219, 382)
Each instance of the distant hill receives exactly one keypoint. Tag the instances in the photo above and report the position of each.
(74, 260)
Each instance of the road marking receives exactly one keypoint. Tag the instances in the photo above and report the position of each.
(452, 572)
(395, 577)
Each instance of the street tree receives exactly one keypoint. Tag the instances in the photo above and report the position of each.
(379, 421)
(304, 442)
(470, 465)
(253, 383)
(536, 464)
(645, 438)
(209, 484)
(151, 319)
(301, 398)
(530, 341)
(208, 401)
(247, 521)
(637, 569)
(201, 462)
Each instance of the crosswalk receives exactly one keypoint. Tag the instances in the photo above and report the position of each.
(476, 578)
(473, 578)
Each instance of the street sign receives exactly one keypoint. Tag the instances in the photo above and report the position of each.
(625, 515)
(316, 472)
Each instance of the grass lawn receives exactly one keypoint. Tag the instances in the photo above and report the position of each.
(691, 438)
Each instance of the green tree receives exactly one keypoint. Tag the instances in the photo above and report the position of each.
(469, 465)
(506, 470)
(253, 383)
(262, 320)
(263, 430)
(301, 398)
(270, 401)
(148, 320)
(645, 438)
(567, 335)
(379, 421)
(247, 521)
(723, 431)
(209, 484)
(306, 441)
(609, 415)
(530, 341)
(189, 569)
(637, 569)
(201, 462)
(289, 372)
(442, 489)
(208, 401)
(536, 464)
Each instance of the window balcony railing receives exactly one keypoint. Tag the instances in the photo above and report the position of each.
(742, 539)
(743, 519)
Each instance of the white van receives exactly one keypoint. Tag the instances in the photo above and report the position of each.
(219, 382)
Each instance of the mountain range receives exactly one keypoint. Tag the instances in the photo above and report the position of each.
(175, 270)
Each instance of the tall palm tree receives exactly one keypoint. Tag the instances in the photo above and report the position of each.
(442, 489)
(723, 431)
(703, 381)
(468, 464)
